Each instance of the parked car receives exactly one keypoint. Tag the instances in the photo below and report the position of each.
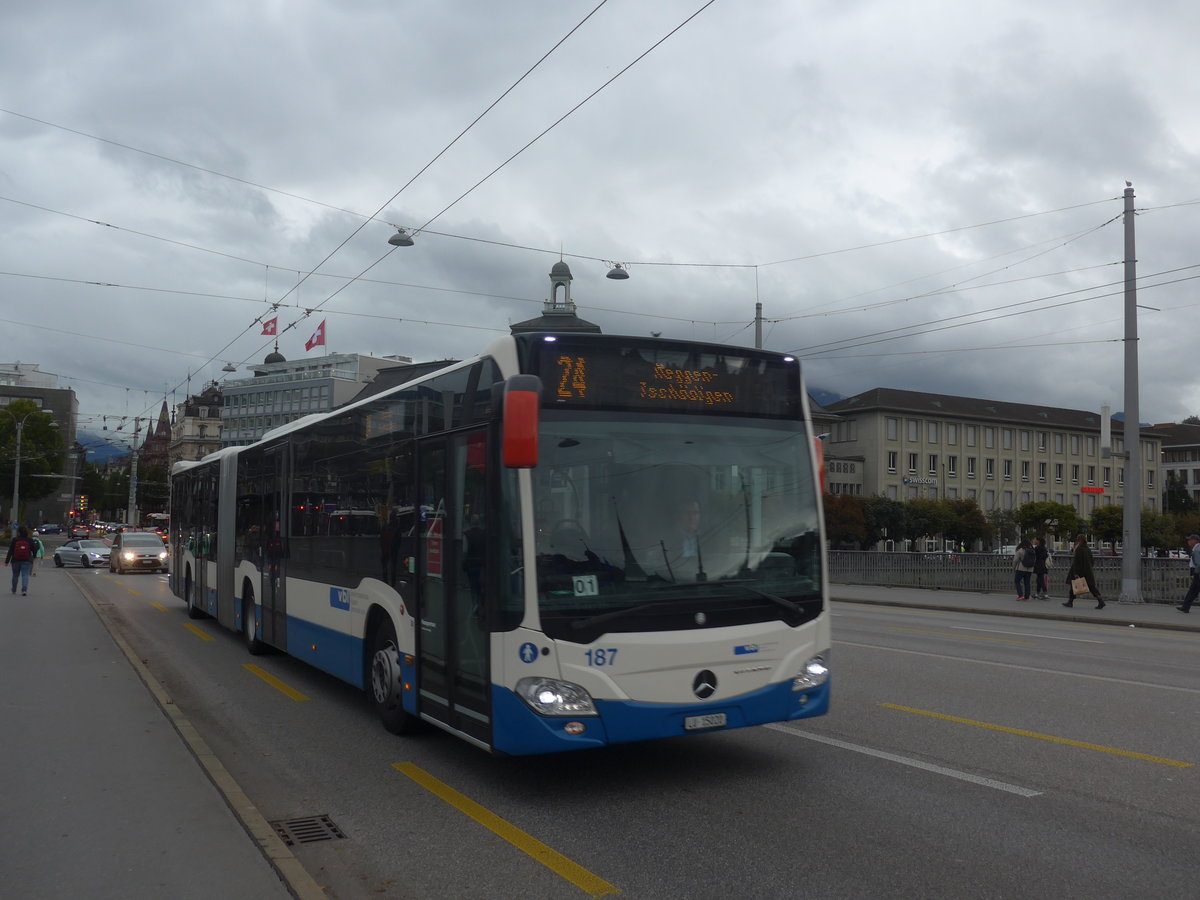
(49, 529)
(82, 553)
(137, 551)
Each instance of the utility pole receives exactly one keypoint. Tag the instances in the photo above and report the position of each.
(131, 512)
(1131, 552)
(758, 325)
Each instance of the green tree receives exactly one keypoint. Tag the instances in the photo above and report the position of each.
(1156, 530)
(42, 451)
(926, 518)
(1108, 523)
(1176, 497)
(1191, 420)
(1004, 526)
(885, 519)
(1044, 518)
(964, 522)
(845, 520)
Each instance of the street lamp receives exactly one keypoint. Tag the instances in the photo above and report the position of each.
(16, 497)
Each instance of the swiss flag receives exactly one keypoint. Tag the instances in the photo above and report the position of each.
(270, 326)
(318, 338)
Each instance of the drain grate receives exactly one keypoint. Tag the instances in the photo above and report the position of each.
(307, 830)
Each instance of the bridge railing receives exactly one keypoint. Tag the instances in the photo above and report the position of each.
(1163, 580)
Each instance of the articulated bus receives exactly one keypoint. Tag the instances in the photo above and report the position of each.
(569, 541)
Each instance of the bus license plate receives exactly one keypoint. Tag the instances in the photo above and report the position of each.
(697, 723)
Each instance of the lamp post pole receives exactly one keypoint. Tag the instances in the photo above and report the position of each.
(16, 497)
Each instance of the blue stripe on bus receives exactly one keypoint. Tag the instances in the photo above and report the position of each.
(330, 651)
(518, 730)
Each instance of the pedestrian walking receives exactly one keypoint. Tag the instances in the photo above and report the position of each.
(39, 552)
(20, 557)
(1023, 563)
(1193, 542)
(1081, 567)
(1041, 568)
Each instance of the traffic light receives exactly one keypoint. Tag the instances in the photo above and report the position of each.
(83, 503)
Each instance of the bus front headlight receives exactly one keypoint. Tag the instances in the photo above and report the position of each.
(815, 674)
(551, 697)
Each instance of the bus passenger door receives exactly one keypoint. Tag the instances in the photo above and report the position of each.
(273, 595)
(454, 673)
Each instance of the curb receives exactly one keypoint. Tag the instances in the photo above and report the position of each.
(294, 876)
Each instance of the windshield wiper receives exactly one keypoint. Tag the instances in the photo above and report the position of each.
(581, 624)
(783, 602)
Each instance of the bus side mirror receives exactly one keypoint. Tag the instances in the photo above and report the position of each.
(522, 400)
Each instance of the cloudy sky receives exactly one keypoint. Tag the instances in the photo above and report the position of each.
(925, 195)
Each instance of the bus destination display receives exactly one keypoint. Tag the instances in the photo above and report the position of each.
(628, 376)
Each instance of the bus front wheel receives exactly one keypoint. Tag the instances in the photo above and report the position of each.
(189, 597)
(253, 644)
(385, 681)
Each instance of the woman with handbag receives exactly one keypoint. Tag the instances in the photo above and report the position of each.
(1081, 568)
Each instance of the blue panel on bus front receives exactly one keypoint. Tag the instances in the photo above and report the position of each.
(518, 730)
(331, 651)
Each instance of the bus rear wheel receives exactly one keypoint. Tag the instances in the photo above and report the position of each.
(253, 644)
(386, 680)
(189, 597)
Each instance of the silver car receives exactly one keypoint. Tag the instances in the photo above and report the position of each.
(82, 553)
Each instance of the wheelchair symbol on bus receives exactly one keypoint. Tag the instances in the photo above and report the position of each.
(528, 652)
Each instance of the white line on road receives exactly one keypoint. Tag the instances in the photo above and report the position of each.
(986, 662)
(905, 761)
(1048, 637)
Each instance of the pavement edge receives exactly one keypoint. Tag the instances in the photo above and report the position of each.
(297, 879)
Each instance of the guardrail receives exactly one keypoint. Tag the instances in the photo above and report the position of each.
(1163, 580)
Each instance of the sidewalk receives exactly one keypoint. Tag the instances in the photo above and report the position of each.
(104, 792)
(1140, 615)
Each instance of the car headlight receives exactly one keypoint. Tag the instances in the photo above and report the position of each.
(129, 555)
(551, 697)
(163, 555)
(815, 674)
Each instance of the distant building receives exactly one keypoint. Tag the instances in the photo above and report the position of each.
(196, 431)
(282, 391)
(26, 381)
(907, 444)
(1180, 457)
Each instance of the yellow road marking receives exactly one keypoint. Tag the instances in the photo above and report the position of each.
(590, 884)
(198, 632)
(1161, 760)
(135, 592)
(274, 682)
(971, 637)
(158, 606)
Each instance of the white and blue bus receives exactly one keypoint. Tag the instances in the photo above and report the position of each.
(569, 541)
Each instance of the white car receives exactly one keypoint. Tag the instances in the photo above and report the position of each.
(84, 553)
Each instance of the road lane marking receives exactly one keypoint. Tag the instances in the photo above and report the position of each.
(907, 761)
(198, 632)
(972, 637)
(158, 606)
(134, 591)
(590, 884)
(1021, 732)
(1034, 669)
(1047, 637)
(274, 682)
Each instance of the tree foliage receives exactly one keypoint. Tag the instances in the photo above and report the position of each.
(1044, 518)
(42, 450)
(845, 520)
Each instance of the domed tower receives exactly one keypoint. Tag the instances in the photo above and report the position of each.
(558, 313)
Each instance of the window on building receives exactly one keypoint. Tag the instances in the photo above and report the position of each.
(933, 463)
(989, 468)
(989, 437)
(970, 467)
(1024, 470)
(1150, 479)
(1006, 438)
(951, 434)
(892, 460)
(1091, 446)
(1059, 444)
(971, 433)
(1024, 441)
(1041, 471)
(952, 466)
(893, 429)
(1007, 499)
(1041, 441)
(1107, 475)
(891, 492)
(931, 432)
(1120, 476)
(1074, 445)
(1091, 470)
(972, 494)
(1058, 473)
(989, 500)
(1075, 473)
(1007, 469)
(912, 464)
(952, 493)
(911, 426)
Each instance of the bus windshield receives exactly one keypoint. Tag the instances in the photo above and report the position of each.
(649, 522)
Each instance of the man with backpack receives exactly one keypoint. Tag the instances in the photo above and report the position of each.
(20, 557)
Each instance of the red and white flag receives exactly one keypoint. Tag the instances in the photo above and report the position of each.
(271, 325)
(318, 338)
